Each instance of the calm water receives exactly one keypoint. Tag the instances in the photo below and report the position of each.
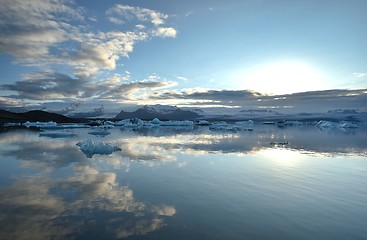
(186, 184)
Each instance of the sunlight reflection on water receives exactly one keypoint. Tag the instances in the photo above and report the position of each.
(185, 184)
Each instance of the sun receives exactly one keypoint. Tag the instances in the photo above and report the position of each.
(284, 78)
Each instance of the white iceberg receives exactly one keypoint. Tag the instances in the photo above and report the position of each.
(57, 134)
(348, 125)
(290, 123)
(39, 124)
(203, 123)
(125, 123)
(245, 123)
(90, 147)
(177, 123)
(155, 121)
(223, 126)
(326, 124)
(330, 125)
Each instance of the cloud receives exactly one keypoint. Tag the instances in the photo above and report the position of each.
(48, 85)
(129, 13)
(41, 33)
(28, 29)
(165, 32)
(48, 88)
(359, 74)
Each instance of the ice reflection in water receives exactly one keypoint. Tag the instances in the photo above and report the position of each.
(185, 184)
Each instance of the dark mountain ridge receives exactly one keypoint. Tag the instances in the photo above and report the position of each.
(34, 116)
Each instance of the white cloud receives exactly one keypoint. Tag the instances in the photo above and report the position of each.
(359, 74)
(165, 32)
(30, 28)
(142, 14)
(181, 78)
(33, 32)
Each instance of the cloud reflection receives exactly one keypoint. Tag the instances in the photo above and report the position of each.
(49, 208)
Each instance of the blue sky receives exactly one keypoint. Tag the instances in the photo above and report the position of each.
(71, 56)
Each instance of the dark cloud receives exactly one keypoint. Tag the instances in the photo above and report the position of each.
(49, 85)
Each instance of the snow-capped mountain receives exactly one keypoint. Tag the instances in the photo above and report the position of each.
(158, 108)
(162, 112)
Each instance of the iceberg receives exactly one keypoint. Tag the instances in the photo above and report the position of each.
(39, 124)
(248, 123)
(57, 134)
(290, 123)
(128, 123)
(155, 121)
(90, 147)
(223, 126)
(53, 125)
(202, 123)
(177, 123)
(125, 123)
(348, 125)
(329, 125)
(326, 124)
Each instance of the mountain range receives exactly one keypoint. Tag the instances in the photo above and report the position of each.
(34, 116)
(162, 112)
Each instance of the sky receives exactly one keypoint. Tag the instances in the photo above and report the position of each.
(100, 57)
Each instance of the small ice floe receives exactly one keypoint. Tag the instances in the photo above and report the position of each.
(100, 133)
(246, 125)
(90, 147)
(108, 124)
(223, 126)
(202, 123)
(39, 124)
(71, 125)
(348, 125)
(126, 123)
(57, 134)
(289, 123)
(329, 125)
(176, 123)
(138, 123)
(326, 124)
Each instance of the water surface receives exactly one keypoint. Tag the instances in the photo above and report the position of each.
(168, 183)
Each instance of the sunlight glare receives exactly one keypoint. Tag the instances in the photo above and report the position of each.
(281, 157)
(284, 78)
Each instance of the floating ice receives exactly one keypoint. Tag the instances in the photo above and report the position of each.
(128, 123)
(246, 125)
(290, 123)
(348, 125)
(223, 126)
(39, 124)
(90, 147)
(177, 123)
(125, 123)
(203, 123)
(53, 125)
(156, 121)
(57, 134)
(100, 133)
(329, 125)
(326, 124)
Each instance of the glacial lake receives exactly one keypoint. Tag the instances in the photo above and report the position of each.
(298, 182)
